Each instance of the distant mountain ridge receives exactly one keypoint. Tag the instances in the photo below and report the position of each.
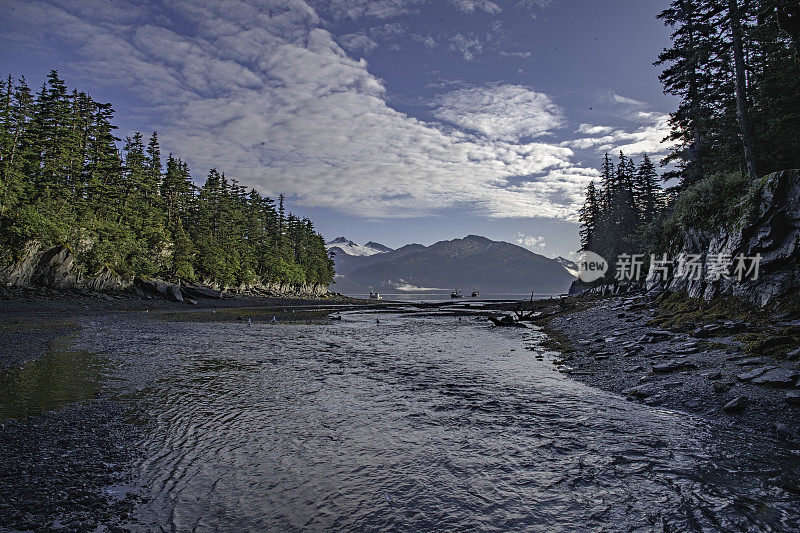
(570, 265)
(473, 262)
(345, 245)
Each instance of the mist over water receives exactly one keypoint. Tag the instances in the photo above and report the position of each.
(417, 423)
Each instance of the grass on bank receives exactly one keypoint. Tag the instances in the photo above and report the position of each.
(761, 336)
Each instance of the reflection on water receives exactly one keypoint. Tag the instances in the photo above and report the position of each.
(445, 296)
(418, 424)
(60, 377)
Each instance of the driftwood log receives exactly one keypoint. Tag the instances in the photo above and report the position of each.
(506, 321)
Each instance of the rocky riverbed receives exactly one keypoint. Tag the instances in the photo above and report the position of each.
(705, 366)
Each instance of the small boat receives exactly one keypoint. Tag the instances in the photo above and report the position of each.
(375, 295)
(476, 293)
(456, 294)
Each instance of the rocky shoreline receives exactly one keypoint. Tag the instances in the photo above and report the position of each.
(705, 367)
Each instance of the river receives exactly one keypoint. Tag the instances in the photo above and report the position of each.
(414, 423)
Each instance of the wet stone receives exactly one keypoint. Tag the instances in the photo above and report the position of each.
(779, 377)
(640, 391)
(754, 373)
(673, 366)
(751, 361)
(688, 349)
(694, 403)
(782, 430)
(793, 397)
(735, 405)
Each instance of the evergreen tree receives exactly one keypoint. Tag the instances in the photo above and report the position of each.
(732, 64)
(64, 181)
(649, 195)
(615, 219)
(589, 216)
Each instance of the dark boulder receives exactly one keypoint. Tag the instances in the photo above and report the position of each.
(198, 292)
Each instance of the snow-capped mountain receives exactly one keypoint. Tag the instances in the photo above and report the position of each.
(472, 262)
(344, 245)
(571, 267)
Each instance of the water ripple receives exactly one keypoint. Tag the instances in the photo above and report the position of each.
(418, 424)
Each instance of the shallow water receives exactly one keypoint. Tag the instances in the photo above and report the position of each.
(418, 423)
(61, 376)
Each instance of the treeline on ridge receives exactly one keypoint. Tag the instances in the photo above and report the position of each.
(64, 180)
(735, 66)
(623, 213)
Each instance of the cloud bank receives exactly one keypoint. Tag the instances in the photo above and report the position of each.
(262, 91)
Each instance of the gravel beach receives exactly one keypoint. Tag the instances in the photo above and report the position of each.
(701, 368)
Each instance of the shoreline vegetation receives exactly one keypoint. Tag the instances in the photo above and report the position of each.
(735, 68)
(65, 185)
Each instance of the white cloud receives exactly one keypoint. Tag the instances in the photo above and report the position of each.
(389, 30)
(468, 46)
(427, 40)
(356, 43)
(354, 9)
(530, 4)
(589, 129)
(385, 9)
(647, 138)
(521, 55)
(531, 242)
(265, 94)
(471, 6)
(647, 135)
(627, 101)
(504, 112)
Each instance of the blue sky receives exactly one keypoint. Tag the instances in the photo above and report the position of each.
(389, 120)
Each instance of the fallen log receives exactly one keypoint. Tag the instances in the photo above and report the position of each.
(506, 321)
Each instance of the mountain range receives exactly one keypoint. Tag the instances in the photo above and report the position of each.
(473, 262)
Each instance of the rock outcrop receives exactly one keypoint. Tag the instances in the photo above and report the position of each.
(57, 268)
(772, 231)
